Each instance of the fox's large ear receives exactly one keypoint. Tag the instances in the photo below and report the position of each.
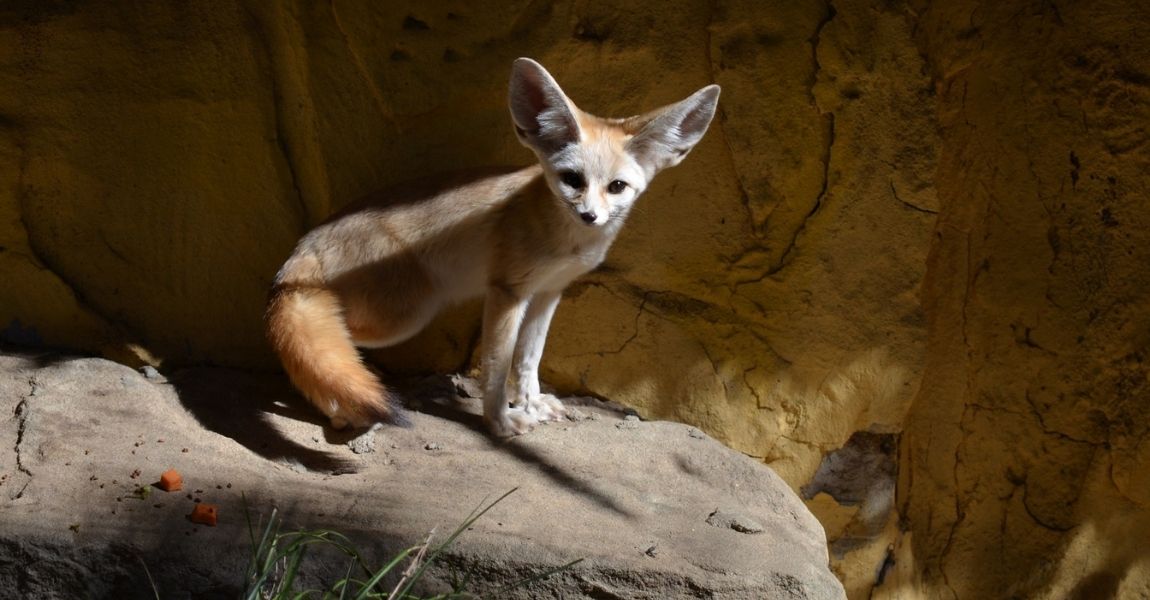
(542, 113)
(663, 137)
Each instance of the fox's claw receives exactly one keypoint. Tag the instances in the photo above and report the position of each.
(514, 422)
(545, 407)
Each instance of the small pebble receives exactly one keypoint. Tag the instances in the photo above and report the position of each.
(467, 387)
(432, 446)
(629, 422)
(364, 444)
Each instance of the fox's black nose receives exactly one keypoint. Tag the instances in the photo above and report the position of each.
(588, 217)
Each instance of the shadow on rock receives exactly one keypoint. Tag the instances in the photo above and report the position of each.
(560, 477)
(238, 405)
(452, 397)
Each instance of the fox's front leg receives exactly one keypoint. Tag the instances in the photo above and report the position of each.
(502, 316)
(528, 354)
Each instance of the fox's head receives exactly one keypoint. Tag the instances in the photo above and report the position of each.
(596, 166)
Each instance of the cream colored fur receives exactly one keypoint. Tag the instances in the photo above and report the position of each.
(376, 273)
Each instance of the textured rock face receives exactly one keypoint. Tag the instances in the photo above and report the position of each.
(1026, 451)
(157, 163)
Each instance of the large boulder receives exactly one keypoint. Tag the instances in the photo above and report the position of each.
(654, 509)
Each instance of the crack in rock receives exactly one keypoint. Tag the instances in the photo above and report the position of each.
(21, 416)
(783, 261)
(736, 521)
(362, 68)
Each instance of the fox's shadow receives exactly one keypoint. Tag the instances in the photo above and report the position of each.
(455, 398)
(239, 405)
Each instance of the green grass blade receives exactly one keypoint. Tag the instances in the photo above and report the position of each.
(342, 584)
(264, 556)
(292, 569)
(148, 573)
(536, 577)
(471, 519)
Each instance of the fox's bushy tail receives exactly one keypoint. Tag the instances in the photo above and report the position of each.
(306, 328)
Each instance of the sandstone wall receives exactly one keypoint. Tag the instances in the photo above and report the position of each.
(158, 161)
(1025, 453)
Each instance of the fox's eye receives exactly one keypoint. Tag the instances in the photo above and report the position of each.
(616, 187)
(573, 179)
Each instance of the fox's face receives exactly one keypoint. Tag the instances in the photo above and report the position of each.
(596, 176)
(598, 167)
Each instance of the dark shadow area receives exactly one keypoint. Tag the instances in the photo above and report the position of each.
(178, 559)
(862, 473)
(1097, 586)
(235, 404)
(438, 395)
(40, 357)
(560, 477)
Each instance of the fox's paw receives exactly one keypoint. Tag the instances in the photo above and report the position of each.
(545, 407)
(514, 422)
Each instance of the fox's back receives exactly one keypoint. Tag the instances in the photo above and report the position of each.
(444, 225)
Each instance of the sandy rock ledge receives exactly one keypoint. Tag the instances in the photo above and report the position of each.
(82, 436)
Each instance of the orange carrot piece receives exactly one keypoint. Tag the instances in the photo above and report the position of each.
(204, 514)
(170, 481)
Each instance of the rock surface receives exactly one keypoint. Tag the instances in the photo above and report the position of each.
(84, 435)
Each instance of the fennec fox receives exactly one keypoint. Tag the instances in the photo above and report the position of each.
(375, 274)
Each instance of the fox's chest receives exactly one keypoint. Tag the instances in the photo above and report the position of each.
(560, 273)
(555, 272)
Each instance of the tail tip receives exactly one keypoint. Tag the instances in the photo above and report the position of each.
(397, 415)
(391, 413)
(400, 418)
